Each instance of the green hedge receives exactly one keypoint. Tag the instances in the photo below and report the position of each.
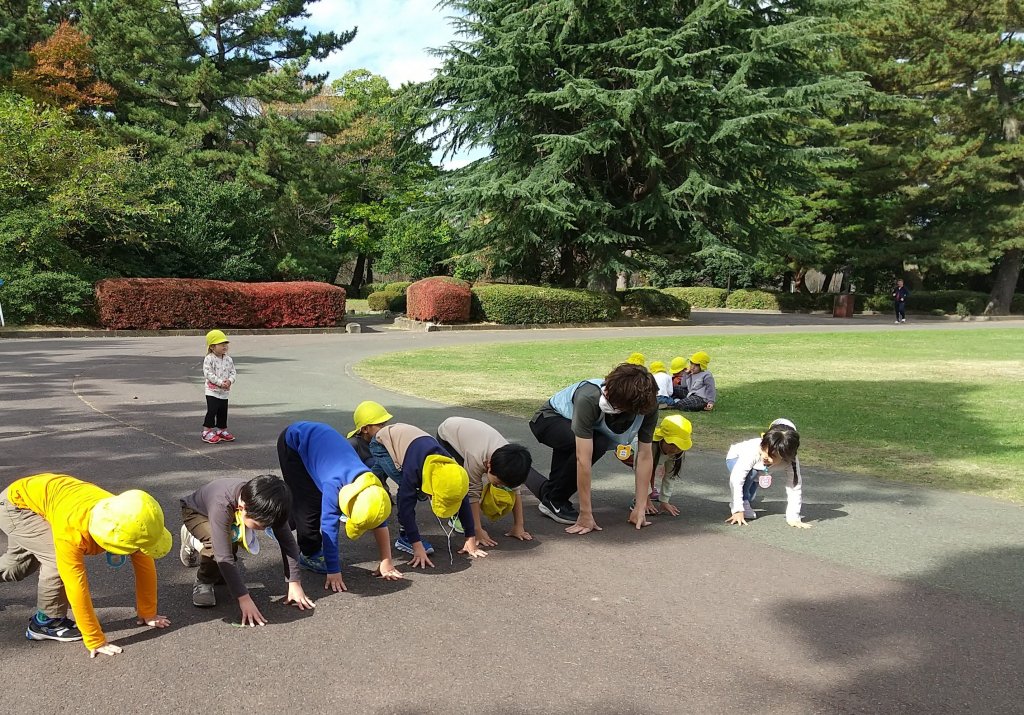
(386, 300)
(47, 298)
(398, 287)
(651, 302)
(700, 297)
(753, 300)
(520, 304)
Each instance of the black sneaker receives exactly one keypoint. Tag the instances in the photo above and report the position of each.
(55, 629)
(563, 513)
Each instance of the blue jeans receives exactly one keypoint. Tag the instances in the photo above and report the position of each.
(749, 483)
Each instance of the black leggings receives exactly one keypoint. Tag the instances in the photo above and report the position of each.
(307, 499)
(216, 413)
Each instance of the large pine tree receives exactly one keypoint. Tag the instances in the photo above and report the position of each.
(616, 125)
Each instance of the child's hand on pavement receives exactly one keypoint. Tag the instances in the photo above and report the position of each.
(472, 550)
(518, 532)
(154, 622)
(334, 582)
(796, 523)
(105, 649)
(585, 523)
(669, 509)
(297, 597)
(484, 539)
(638, 517)
(387, 571)
(737, 518)
(251, 615)
(651, 508)
(419, 557)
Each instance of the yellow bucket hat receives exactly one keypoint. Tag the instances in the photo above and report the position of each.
(636, 359)
(677, 366)
(676, 430)
(366, 503)
(657, 366)
(701, 358)
(368, 413)
(129, 522)
(215, 337)
(446, 482)
(496, 502)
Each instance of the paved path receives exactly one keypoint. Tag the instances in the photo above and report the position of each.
(901, 599)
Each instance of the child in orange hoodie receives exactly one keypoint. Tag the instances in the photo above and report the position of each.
(53, 522)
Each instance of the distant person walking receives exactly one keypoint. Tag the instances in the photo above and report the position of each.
(899, 299)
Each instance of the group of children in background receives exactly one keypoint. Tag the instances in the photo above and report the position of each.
(467, 471)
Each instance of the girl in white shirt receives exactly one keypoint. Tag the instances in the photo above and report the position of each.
(750, 464)
(219, 371)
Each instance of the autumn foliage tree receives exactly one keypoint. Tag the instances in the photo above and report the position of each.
(62, 74)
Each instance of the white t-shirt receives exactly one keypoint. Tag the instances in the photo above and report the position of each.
(664, 381)
(476, 441)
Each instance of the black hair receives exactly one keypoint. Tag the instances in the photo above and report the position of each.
(268, 500)
(782, 442)
(511, 464)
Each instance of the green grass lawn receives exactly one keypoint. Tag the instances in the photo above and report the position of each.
(944, 408)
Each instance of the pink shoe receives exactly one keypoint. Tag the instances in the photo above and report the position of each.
(211, 437)
(226, 436)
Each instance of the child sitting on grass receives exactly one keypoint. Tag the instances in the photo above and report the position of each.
(696, 389)
(664, 382)
(749, 465)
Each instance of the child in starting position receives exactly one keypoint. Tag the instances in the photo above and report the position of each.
(671, 440)
(749, 465)
(219, 371)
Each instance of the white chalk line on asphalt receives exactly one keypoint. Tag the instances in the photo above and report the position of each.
(129, 425)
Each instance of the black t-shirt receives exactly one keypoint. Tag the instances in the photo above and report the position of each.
(586, 413)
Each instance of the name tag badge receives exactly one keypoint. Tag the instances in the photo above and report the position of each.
(624, 452)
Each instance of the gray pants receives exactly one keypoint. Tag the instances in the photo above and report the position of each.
(30, 547)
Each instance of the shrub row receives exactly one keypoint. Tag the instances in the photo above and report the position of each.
(47, 298)
(522, 304)
(653, 303)
(386, 300)
(156, 303)
(700, 297)
(439, 299)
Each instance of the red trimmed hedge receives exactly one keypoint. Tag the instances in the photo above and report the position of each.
(439, 299)
(156, 303)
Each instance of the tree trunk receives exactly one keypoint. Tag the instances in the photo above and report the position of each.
(357, 273)
(369, 269)
(1006, 282)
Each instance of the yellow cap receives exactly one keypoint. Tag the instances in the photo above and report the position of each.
(657, 366)
(677, 366)
(446, 482)
(366, 503)
(368, 413)
(636, 359)
(130, 522)
(676, 430)
(701, 358)
(496, 502)
(215, 337)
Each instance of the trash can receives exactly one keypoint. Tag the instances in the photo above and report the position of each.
(842, 306)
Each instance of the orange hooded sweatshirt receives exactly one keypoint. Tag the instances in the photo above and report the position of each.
(67, 503)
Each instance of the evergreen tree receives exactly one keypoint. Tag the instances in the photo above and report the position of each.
(619, 126)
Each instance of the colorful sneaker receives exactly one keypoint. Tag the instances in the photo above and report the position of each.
(190, 548)
(748, 512)
(211, 437)
(53, 629)
(225, 436)
(655, 495)
(203, 595)
(402, 544)
(456, 524)
(314, 563)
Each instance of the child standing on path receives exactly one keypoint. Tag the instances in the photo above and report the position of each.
(219, 371)
(53, 522)
(749, 463)
(899, 299)
(225, 513)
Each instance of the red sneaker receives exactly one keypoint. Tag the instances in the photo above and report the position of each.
(211, 437)
(226, 436)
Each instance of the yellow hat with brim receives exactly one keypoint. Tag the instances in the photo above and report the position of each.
(366, 503)
(701, 358)
(129, 522)
(216, 337)
(496, 502)
(678, 365)
(658, 366)
(368, 413)
(636, 359)
(676, 430)
(447, 484)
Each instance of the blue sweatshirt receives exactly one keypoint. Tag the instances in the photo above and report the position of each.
(412, 481)
(333, 464)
